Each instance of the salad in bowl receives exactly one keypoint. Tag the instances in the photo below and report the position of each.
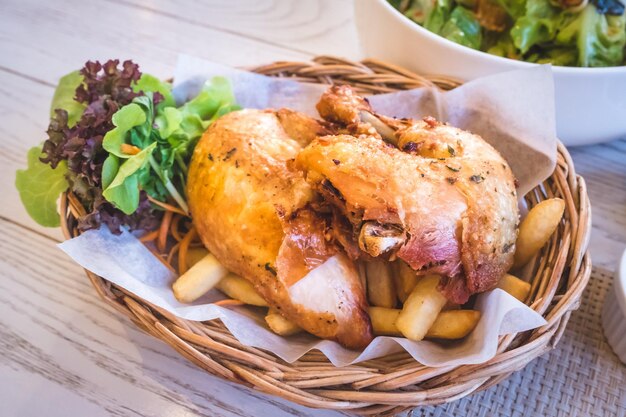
(583, 33)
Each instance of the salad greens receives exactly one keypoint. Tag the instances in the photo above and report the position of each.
(116, 139)
(562, 32)
(40, 187)
(463, 27)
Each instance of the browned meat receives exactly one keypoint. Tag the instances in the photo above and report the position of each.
(443, 200)
(252, 211)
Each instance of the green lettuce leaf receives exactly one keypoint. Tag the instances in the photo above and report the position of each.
(600, 39)
(141, 135)
(126, 118)
(40, 187)
(123, 189)
(168, 121)
(564, 57)
(149, 83)
(64, 98)
(515, 8)
(539, 25)
(166, 135)
(109, 170)
(419, 10)
(214, 94)
(438, 16)
(183, 125)
(463, 28)
(504, 47)
(124, 196)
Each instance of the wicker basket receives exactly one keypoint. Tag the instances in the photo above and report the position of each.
(388, 385)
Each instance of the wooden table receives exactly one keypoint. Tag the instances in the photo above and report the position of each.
(62, 351)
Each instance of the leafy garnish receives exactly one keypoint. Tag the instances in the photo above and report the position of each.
(463, 28)
(125, 119)
(174, 135)
(599, 38)
(40, 186)
(103, 89)
(115, 137)
(149, 83)
(107, 82)
(123, 190)
(64, 98)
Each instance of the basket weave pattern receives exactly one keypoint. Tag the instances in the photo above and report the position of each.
(388, 385)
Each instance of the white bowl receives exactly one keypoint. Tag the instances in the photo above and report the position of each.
(614, 312)
(590, 102)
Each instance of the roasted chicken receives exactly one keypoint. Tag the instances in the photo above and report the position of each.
(439, 198)
(256, 214)
(291, 204)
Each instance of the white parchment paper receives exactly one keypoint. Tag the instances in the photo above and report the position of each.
(513, 111)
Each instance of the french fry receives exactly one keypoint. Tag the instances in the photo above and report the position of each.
(514, 286)
(240, 289)
(194, 255)
(199, 279)
(541, 221)
(384, 321)
(421, 308)
(405, 279)
(380, 288)
(280, 325)
(451, 324)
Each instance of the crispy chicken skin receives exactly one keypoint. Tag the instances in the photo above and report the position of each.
(439, 198)
(253, 211)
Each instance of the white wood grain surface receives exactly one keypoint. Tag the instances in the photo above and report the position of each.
(62, 351)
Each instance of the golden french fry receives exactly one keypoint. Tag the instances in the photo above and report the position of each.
(240, 289)
(384, 321)
(280, 325)
(541, 221)
(199, 279)
(194, 255)
(514, 286)
(451, 324)
(421, 308)
(380, 288)
(405, 279)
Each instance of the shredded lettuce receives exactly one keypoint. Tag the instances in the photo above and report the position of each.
(539, 25)
(599, 39)
(420, 10)
(463, 28)
(540, 31)
(558, 56)
(439, 15)
(515, 8)
(504, 47)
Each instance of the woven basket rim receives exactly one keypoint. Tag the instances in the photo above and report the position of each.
(382, 386)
